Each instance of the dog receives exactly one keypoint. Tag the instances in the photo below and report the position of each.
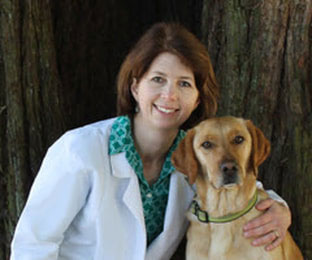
(221, 156)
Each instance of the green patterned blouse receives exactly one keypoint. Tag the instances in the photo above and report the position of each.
(154, 197)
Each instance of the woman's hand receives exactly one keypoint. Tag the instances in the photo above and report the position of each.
(270, 228)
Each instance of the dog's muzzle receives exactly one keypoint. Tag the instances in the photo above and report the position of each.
(229, 170)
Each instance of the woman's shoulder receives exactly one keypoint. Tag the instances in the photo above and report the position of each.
(90, 136)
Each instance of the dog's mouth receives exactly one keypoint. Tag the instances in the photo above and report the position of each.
(227, 181)
(230, 179)
(230, 185)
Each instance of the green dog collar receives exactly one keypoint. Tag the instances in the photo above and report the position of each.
(204, 217)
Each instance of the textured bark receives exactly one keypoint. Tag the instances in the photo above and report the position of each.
(30, 111)
(261, 51)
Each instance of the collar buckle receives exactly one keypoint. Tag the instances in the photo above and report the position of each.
(201, 215)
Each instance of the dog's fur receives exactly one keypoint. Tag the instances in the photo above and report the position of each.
(222, 155)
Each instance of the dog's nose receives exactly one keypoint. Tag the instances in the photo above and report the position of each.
(229, 171)
(229, 167)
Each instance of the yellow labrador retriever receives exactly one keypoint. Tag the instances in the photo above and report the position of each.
(222, 155)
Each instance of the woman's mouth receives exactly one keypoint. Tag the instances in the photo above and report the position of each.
(166, 110)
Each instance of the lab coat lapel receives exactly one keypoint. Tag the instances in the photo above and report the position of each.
(131, 197)
(179, 200)
(180, 197)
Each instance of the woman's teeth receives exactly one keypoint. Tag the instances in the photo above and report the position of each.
(165, 110)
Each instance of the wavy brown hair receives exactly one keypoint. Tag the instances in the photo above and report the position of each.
(175, 39)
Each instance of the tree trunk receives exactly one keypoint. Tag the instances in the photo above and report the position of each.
(261, 51)
(30, 109)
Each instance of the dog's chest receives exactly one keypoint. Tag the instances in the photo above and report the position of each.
(227, 241)
(222, 242)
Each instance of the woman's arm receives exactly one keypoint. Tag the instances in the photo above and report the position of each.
(58, 193)
(270, 228)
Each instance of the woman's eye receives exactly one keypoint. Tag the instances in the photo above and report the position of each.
(158, 79)
(238, 139)
(185, 84)
(207, 145)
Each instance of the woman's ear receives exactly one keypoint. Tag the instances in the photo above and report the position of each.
(197, 102)
(134, 88)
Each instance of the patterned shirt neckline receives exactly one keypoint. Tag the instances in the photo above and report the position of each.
(154, 197)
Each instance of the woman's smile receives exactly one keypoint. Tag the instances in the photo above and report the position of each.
(166, 110)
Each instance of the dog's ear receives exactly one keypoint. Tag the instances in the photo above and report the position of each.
(260, 146)
(184, 159)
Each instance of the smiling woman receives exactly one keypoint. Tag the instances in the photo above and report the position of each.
(189, 53)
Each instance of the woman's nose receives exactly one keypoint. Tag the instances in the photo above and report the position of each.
(170, 91)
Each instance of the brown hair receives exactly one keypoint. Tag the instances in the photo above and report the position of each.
(175, 39)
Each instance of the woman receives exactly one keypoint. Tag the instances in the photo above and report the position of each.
(108, 190)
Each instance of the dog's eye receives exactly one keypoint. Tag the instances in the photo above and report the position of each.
(207, 145)
(238, 139)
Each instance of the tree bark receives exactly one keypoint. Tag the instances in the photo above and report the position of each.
(261, 51)
(30, 109)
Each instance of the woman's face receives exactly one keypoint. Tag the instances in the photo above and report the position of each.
(166, 94)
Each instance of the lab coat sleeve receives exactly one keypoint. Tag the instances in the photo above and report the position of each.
(273, 195)
(58, 193)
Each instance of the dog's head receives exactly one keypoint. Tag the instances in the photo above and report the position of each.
(221, 150)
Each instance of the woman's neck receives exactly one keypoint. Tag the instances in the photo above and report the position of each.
(152, 143)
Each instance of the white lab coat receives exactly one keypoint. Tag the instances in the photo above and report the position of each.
(85, 204)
